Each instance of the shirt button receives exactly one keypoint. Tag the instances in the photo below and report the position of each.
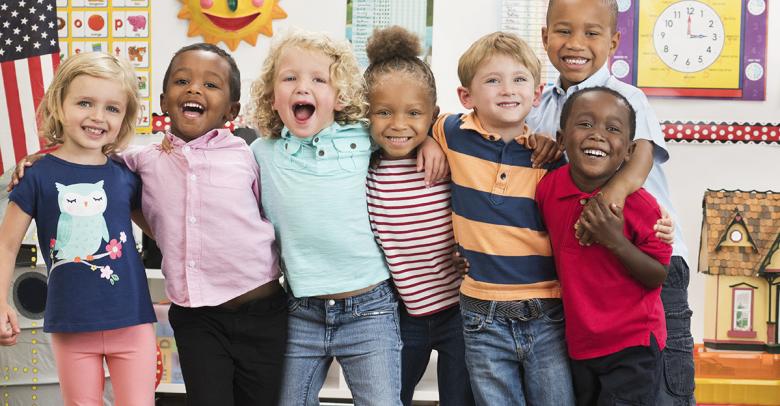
(192, 220)
(321, 153)
(492, 138)
(316, 139)
(583, 201)
(353, 145)
(193, 177)
(191, 264)
(503, 176)
(186, 148)
(331, 302)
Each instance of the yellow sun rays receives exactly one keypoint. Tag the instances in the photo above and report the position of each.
(220, 23)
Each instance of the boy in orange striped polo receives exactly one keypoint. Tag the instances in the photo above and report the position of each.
(510, 299)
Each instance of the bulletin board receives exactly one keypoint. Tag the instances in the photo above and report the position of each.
(119, 27)
(693, 48)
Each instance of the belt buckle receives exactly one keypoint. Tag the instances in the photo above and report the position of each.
(530, 310)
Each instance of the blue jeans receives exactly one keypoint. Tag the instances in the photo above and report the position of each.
(677, 385)
(443, 332)
(362, 332)
(518, 362)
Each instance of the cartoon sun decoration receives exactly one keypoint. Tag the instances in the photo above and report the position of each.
(231, 21)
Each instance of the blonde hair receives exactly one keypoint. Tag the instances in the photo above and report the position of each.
(345, 77)
(95, 64)
(497, 43)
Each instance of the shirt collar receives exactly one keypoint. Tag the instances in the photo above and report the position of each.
(208, 139)
(471, 121)
(597, 79)
(567, 188)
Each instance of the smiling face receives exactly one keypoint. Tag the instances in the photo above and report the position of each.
(92, 112)
(197, 95)
(402, 110)
(597, 138)
(579, 38)
(231, 21)
(502, 93)
(304, 96)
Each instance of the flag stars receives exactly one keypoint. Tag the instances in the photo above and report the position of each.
(41, 17)
(36, 45)
(17, 31)
(34, 27)
(53, 42)
(24, 21)
(45, 35)
(2, 51)
(18, 48)
(8, 41)
(14, 14)
(3, 7)
(6, 24)
(26, 38)
(51, 24)
(22, 3)
(33, 10)
(48, 8)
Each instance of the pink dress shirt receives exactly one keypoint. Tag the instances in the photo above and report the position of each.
(202, 202)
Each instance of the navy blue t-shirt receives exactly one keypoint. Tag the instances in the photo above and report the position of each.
(82, 212)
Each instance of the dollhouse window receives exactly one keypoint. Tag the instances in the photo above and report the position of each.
(742, 313)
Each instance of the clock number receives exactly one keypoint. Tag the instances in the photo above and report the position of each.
(663, 34)
(677, 14)
(675, 57)
(701, 60)
(669, 23)
(714, 36)
(666, 48)
(712, 24)
(688, 62)
(691, 10)
(709, 49)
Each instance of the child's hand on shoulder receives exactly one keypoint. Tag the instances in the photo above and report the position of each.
(165, 145)
(604, 221)
(18, 174)
(9, 326)
(460, 262)
(431, 158)
(664, 227)
(545, 149)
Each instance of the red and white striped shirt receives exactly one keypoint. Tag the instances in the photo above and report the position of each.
(413, 225)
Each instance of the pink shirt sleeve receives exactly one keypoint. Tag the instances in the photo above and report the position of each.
(131, 157)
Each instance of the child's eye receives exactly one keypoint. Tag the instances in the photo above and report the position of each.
(520, 79)
(84, 103)
(415, 113)
(492, 80)
(592, 33)
(320, 80)
(584, 124)
(564, 32)
(382, 113)
(211, 85)
(288, 78)
(113, 109)
(181, 81)
(613, 129)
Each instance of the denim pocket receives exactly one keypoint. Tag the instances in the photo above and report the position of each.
(678, 365)
(379, 307)
(554, 313)
(472, 322)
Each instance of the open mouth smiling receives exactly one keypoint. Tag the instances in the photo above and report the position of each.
(192, 109)
(303, 111)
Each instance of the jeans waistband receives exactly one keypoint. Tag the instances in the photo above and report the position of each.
(383, 289)
(522, 310)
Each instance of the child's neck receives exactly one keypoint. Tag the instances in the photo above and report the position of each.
(81, 156)
(587, 184)
(507, 133)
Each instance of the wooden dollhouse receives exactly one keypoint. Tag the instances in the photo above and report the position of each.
(740, 250)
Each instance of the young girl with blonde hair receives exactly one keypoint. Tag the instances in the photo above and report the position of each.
(98, 306)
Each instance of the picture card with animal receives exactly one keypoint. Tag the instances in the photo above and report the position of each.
(138, 54)
(136, 24)
(143, 83)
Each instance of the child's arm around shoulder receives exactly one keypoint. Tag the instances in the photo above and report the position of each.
(605, 222)
(12, 231)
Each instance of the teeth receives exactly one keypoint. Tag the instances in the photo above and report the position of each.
(95, 131)
(508, 104)
(575, 61)
(595, 152)
(193, 105)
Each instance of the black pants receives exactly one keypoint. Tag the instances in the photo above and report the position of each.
(232, 357)
(628, 377)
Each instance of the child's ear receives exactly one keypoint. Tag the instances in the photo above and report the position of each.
(559, 140)
(538, 95)
(630, 151)
(436, 112)
(614, 41)
(544, 38)
(232, 113)
(163, 104)
(465, 97)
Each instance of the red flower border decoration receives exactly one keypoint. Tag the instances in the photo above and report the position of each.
(161, 123)
(721, 132)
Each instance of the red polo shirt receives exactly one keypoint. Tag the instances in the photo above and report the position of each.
(606, 309)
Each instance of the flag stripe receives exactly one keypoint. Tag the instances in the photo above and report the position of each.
(6, 143)
(24, 78)
(14, 110)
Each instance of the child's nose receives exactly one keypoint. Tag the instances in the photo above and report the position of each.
(575, 42)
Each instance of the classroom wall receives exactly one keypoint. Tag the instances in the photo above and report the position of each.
(691, 169)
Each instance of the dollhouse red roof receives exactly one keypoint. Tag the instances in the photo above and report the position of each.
(757, 212)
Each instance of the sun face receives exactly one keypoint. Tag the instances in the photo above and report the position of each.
(231, 21)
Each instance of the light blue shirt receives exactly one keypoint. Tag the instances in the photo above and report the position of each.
(314, 192)
(546, 119)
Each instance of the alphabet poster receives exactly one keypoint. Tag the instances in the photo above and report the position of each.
(119, 27)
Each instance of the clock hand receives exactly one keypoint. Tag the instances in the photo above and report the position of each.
(689, 25)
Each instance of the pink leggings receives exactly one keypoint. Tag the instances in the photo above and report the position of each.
(131, 356)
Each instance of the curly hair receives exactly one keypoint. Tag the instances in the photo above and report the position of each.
(99, 65)
(395, 49)
(344, 74)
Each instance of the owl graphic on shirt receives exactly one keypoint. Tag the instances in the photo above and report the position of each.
(81, 227)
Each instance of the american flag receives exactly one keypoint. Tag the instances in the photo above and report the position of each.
(29, 55)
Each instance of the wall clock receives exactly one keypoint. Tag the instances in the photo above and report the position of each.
(693, 48)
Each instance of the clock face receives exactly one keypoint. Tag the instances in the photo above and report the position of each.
(688, 36)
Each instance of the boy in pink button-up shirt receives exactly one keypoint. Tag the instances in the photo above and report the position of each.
(201, 199)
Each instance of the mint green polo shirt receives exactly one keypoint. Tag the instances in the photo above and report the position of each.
(314, 192)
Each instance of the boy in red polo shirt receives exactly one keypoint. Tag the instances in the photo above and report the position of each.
(615, 325)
